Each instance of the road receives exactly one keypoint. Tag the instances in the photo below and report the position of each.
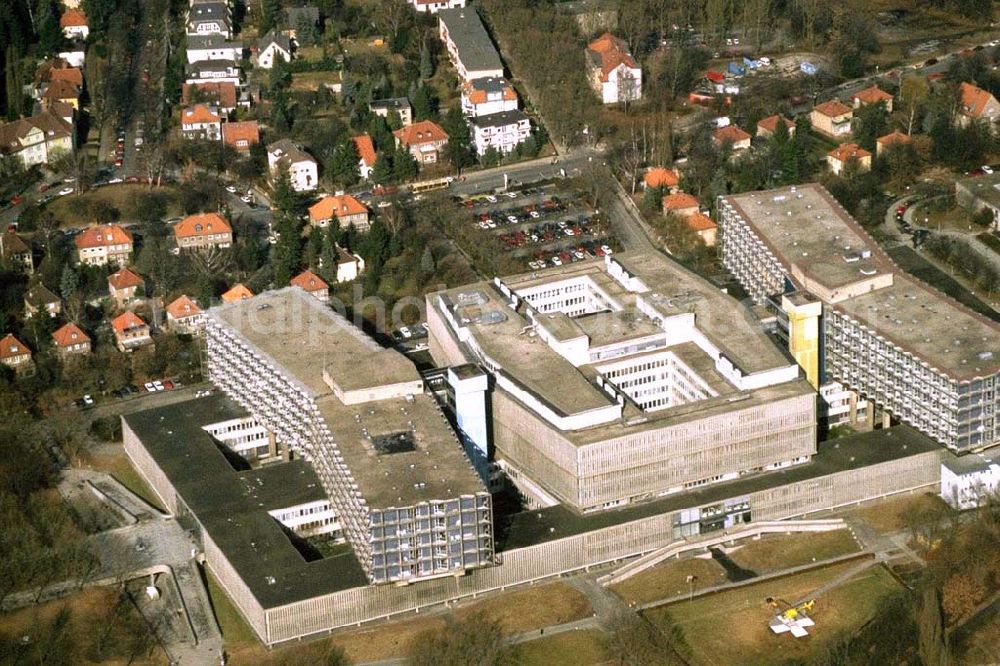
(572, 162)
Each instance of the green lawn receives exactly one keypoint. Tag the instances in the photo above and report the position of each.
(572, 648)
(780, 551)
(73, 211)
(235, 631)
(118, 465)
(744, 615)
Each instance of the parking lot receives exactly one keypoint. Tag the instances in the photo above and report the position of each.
(542, 226)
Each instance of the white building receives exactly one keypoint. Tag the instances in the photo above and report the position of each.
(74, 24)
(201, 122)
(501, 131)
(434, 6)
(303, 171)
(271, 46)
(469, 45)
(213, 47)
(612, 71)
(210, 18)
(213, 71)
(966, 481)
(482, 97)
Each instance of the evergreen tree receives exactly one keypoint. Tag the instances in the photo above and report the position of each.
(285, 198)
(426, 61)
(871, 122)
(343, 164)
(305, 31)
(424, 105)
(427, 262)
(404, 166)
(287, 258)
(382, 172)
(491, 157)
(68, 282)
(381, 136)
(459, 148)
(270, 12)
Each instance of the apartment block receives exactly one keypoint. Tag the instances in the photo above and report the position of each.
(408, 499)
(912, 352)
(623, 380)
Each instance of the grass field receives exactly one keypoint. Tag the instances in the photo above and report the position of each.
(313, 80)
(114, 461)
(670, 578)
(88, 611)
(72, 210)
(573, 648)
(744, 614)
(235, 631)
(889, 515)
(780, 551)
(517, 612)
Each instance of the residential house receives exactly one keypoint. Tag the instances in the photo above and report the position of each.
(893, 138)
(15, 355)
(74, 24)
(838, 158)
(241, 135)
(612, 71)
(201, 122)
(425, 140)
(661, 177)
(736, 138)
(124, 285)
(130, 331)
(271, 46)
(366, 155)
(766, 127)
(398, 105)
(238, 292)
(303, 171)
(76, 55)
(680, 204)
(184, 315)
(71, 340)
(482, 97)
(978, 193)
(210, 18)
(501, 131)
(104, 244)
(15, 254)
(702, 225)
(213, 47)
(204, 230)
(434, 6)
(872, 95)
(213, 71)
(40, 139)
(64, 112)
(344, 208)
(349, 266)
(468, 44)
(223, 96)
(313, 285)
(832, 119)
(61, 90)
(295, 17)
(39, 299)
(977, 104)
(61, 71)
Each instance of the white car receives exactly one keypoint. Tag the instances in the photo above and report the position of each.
(606, 249)
(115, 181)
(405, 332)
(987, 170)
(246, 198)
(149, 387)
(512, 219)
(158, 385)
(66, 190)
(88, 400)
(491, 198)
(384, 204)
(535, 214)
(512, 195)
(231, 189)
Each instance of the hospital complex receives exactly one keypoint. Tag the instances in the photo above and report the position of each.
(628, 403)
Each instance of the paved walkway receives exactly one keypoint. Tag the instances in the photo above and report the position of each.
(150, 546)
